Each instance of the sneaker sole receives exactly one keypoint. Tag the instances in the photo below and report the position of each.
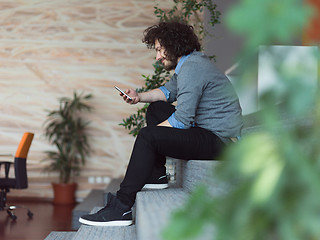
(111, 223)
(155, 186)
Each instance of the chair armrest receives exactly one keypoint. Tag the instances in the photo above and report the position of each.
(6, 167)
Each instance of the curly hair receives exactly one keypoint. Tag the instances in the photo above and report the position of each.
(178, 39)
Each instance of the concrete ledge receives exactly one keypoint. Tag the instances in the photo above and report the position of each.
(197, 172)
(154, 209)
(60, 236)
(110, 233)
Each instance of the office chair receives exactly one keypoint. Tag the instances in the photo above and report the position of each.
(20, 180)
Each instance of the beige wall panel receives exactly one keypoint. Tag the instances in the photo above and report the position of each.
(48, 49)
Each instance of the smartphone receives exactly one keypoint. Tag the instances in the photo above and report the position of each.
(123, 92)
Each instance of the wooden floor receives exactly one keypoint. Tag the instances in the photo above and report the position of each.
(47, 217)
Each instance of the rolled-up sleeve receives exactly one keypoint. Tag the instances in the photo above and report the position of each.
(174, 122)
(165, 91)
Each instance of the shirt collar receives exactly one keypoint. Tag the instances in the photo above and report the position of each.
(181, 61)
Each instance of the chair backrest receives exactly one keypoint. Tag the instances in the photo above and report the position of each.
(20, 160)
(24, 145)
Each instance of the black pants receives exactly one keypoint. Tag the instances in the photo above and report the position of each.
(154, 143)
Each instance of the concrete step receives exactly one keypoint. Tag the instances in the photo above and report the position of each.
(108, 233)
(154, 209)
(195, 172)
(60, 236)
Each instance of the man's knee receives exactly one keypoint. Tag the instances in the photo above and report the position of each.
(146, 135)
(145, 132)
(158, 111)
(155, 106)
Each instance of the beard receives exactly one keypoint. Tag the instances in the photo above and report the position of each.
(170, 65)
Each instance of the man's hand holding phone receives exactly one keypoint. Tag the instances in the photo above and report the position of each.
(133, 99)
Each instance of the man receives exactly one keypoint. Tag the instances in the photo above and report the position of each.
(207, 116)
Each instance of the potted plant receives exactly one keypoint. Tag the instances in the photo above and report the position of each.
(66, 129)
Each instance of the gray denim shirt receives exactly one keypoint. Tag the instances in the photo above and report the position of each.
(205, 98)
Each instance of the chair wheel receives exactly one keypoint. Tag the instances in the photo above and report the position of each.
(11, 215)
(30, 214)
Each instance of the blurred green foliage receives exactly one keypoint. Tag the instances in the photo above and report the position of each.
(188, 11)
(266, 21)
(273, 172)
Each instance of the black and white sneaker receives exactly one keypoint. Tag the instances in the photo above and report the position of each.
(115, 213)
(157, 183)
